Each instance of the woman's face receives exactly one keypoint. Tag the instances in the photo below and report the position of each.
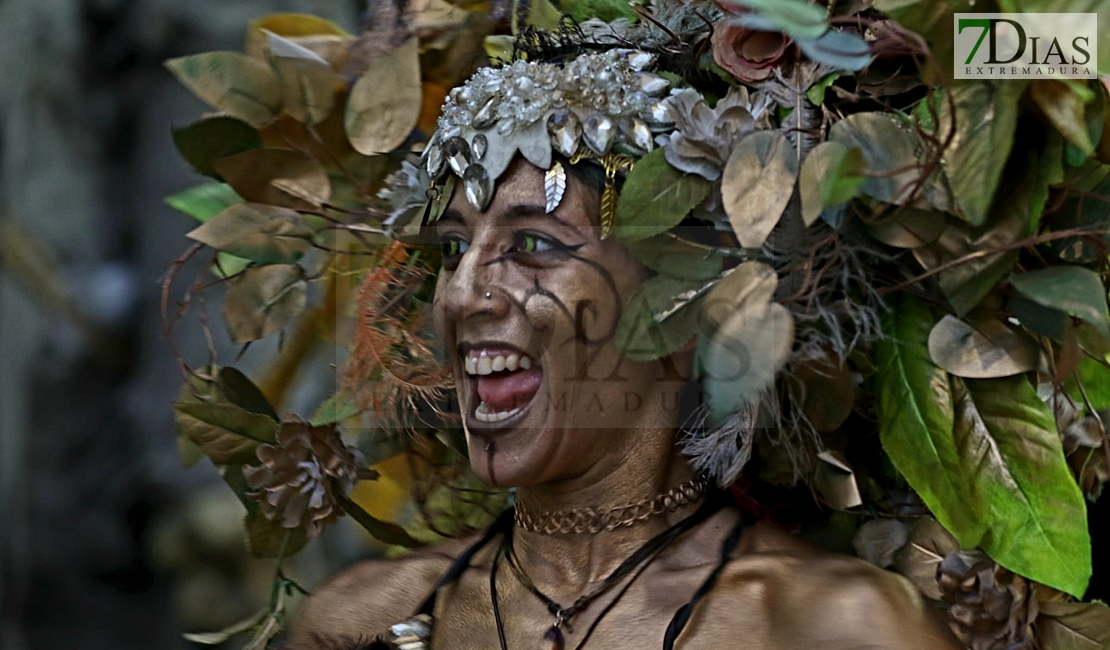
(527, 305)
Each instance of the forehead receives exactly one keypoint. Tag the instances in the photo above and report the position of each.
(522, 185)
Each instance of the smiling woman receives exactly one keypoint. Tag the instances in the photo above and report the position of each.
(678, 316)
(613, 531)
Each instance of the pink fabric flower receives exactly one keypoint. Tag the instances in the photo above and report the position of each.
(749, 55)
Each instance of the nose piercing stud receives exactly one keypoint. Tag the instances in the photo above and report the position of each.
(489, 294)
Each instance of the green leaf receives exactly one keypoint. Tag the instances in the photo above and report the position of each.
(985, 119)
(934, 21)
(340, 406)
(203, 142)
(384, 103)
(234, 83)
(380, 530)
(796, 18)
(1011, 451)
(1069, 6)
(264, 234)
(1015, 215)
(1096, 383)
(838, 50)
(756, 185)
(1074, 290)
(675, 257)
(832, 174)
(816, 92)
(238, 389)
(1062, 105)
(916, 416)
(655, 198)
(204, 201)
(226, 433)
(1073, 626)
(641, 336)
(263, 300)
(888, 143)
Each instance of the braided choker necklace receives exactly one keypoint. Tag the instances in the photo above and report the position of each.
(593, 520)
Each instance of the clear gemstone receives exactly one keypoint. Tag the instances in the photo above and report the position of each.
(457, 152)
(640, 60)
(565, 130)
(486, 115)
(659, 116)
(476, 185)
(506, 126)
(599, 132)
(652, 84)
(479, 146)
(637, 134)
(433, 160)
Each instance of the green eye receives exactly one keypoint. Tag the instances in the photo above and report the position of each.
(529, 243)
(453, 247)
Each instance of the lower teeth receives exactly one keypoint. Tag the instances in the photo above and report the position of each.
(483, 414)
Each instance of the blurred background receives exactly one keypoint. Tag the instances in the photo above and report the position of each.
(106, 542)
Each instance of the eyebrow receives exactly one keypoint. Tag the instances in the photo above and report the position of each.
(516, 211)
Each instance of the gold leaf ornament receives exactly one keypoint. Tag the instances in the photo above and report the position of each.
(384, 104)
(982, 347)
(264, 300)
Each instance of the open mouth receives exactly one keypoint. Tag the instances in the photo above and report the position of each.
(505, 382)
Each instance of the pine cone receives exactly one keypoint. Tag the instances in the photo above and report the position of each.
(298, 481)
(991, 608)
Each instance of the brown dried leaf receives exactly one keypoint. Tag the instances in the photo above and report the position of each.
(835, 481)
(926, 548)
(756, 185)
(261, 233)
(233, 83)
(1073, 626)
(303, 29)
(981, 347)
(878, 540)
(385, 102)
(1064, 109)
(308, 82)
(827, 392)
(283, 177)
(265, 538)
(225, 432)
(263, 300)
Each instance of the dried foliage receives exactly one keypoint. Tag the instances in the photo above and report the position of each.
(920, 268)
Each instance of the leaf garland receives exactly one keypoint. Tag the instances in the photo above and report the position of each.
(233, 83)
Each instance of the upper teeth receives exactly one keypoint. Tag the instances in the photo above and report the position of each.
(481, 363)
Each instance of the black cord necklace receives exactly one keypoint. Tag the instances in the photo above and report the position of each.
(634, 565)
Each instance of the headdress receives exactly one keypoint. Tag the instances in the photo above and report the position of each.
(880, 310)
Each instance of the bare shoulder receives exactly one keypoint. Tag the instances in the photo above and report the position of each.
(807, 597)
(361, 602)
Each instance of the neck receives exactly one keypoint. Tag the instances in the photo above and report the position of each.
(578, 560)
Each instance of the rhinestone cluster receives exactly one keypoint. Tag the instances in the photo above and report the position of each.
(595, 104)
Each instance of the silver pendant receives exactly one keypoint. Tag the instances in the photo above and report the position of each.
(554, 186)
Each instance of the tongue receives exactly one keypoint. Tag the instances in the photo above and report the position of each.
(504, 391)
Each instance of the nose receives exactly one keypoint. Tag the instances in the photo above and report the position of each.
(475, 289)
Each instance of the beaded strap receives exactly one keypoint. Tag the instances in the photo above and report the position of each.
(592, 520)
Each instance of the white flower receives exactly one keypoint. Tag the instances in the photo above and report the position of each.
(704, 137)
(406, 193)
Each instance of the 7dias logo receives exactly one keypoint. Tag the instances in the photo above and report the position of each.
(1026, 46)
